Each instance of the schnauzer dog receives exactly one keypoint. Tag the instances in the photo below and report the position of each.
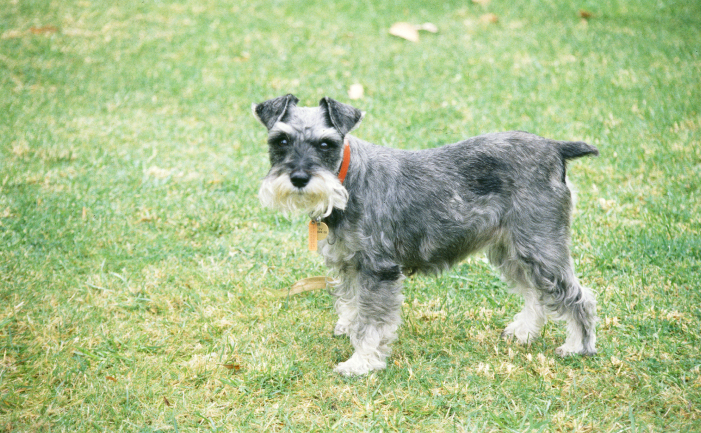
(391, 213)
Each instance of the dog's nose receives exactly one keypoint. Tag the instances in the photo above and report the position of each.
(299, 178)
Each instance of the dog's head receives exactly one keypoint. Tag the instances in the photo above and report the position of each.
(306, 151)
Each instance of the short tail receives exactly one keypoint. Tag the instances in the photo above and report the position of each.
(575, 149)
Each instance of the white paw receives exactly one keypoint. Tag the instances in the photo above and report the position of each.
(358, 365)
(568, 350)
(341, 329)
(522, 334)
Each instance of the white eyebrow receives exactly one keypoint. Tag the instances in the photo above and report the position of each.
(329, 133)
(282, 127)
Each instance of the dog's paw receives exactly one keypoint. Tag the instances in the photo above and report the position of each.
(568, 350)
(341, 329)
(349, 369)
(358, 365)
(521, 334)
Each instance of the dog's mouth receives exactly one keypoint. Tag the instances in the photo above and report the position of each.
(317, 194)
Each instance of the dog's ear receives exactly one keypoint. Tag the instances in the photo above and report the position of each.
(271, 111)
(343, 117)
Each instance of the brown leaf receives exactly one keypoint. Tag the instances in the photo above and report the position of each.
(585, 14)
(489, 18)
(147, 219)
(165, 400)
(405, 31)
(43, 30)
(235, 367)
(306, 285)
(111, 378)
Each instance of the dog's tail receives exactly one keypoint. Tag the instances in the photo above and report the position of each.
(575, 149)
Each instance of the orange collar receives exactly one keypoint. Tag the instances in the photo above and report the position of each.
(346, 161)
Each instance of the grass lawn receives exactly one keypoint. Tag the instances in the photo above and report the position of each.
(140, 277)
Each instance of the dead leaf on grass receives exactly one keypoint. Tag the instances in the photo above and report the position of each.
(165, 400)
(43, 30)
(235, 367)
(110, 378)
(409, 31)
(585, 14)
(146, 216)
(489, 18)
(306, 285)
(405, 31)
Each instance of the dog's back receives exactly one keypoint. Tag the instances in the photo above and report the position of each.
(450, 200)
(488, 163)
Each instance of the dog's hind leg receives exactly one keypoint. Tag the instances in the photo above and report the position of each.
(577, 306)
(557, 290)
(535, 245)
(527, 324)
(377, 319)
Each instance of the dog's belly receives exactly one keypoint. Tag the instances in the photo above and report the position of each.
(432, 256)
(435, 247)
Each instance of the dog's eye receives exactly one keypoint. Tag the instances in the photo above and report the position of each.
(323, 145)
(282, 142)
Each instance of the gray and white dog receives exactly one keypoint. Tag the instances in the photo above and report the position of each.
(398, 212)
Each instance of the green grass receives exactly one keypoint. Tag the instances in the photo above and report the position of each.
(138, 273)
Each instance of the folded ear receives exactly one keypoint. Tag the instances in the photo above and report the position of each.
(343, 117)
(271, 111)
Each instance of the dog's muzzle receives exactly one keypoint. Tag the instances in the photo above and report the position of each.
(299, 178)
(299, 192)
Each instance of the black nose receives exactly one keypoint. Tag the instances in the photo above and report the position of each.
(299, 178)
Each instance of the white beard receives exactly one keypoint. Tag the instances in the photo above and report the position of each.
(319, 197)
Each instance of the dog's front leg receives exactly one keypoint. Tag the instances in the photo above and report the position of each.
(346, 305)
(377, 318)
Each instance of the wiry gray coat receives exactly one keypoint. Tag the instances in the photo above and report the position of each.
(400, 212)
